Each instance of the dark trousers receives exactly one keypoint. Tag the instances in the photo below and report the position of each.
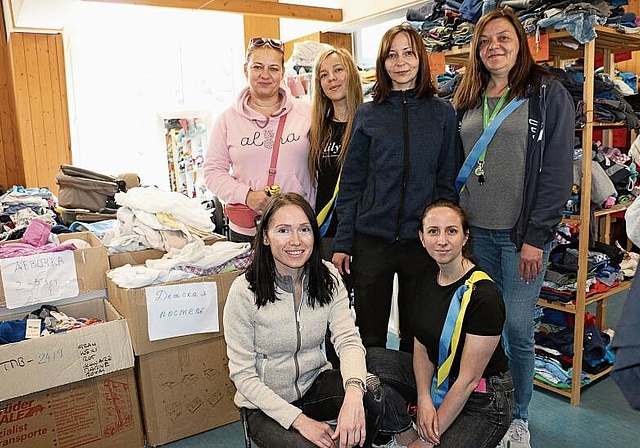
(330, 351)
(482, 422)
(373, 268)
(240, 238)
(322, 402)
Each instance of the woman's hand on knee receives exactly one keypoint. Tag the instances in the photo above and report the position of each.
(352, 428)
(427, 422)
(318, 433)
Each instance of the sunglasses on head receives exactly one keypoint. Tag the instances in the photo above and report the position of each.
(262, 41)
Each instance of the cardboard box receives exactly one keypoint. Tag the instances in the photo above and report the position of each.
(185, 391)
(91, 264)
(101, 412)
(132, 304)
(37, 364)
(140, 256)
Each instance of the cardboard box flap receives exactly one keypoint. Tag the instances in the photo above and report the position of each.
(36, 364)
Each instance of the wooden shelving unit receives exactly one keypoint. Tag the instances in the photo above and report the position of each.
(564, 47)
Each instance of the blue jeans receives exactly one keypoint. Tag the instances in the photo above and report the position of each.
(482, 422)
(498, 256)
(322, 402)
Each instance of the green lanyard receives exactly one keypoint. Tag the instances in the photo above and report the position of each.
(487, 118)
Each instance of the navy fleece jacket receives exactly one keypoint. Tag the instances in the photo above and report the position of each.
(382, 194)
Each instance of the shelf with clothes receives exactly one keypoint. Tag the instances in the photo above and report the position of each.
(607, 42)
(594, 298)
(562, 46)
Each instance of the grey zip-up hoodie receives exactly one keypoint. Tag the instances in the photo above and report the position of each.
(548, 171)
(275, 351)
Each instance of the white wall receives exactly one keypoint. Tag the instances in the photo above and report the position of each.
(359, 13)
(293, 28)
(127, 65)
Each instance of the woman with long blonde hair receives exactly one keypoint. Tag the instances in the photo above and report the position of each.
(336, 95)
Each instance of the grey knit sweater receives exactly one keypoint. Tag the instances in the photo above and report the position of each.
(275, 351)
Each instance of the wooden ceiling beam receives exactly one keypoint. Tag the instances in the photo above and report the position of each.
(253, 7)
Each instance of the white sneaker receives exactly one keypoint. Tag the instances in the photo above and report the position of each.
(390, 444)
(518, 435)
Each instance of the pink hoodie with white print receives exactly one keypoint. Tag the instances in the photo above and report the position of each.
(239, 152)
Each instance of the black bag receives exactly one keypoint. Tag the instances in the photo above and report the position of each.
(619, 174)
(84, 189)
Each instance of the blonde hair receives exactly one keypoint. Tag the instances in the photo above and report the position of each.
(321, 131)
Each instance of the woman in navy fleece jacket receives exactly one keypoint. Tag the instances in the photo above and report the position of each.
(402, 156)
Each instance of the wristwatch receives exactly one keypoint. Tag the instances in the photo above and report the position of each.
(355, 382)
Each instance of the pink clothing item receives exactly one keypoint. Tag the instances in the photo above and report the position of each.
(34, 241)
(11, 250)
(241, 142)
(37, 233)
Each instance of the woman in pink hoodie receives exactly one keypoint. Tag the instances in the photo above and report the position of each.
(239, 157)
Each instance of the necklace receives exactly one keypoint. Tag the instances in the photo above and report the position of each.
(456, 277)
(253, 103)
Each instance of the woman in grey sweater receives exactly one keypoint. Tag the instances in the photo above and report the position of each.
(275, 319)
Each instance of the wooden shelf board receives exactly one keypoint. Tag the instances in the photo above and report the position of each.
(616, 208)
(575, 219)
(608, 124)
(565, 307)
(605, 125)
(567, 392)
(597, 376)
(571, 308)
(557, 390)
(623, 286)
(603, 212)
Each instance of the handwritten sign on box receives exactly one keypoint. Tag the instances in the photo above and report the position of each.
(39, 278)
(179, 310)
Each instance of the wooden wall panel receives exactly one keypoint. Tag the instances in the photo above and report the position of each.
(11, 171)
(260, 26)
(59, 91)
(41, 105)
(337, 40)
